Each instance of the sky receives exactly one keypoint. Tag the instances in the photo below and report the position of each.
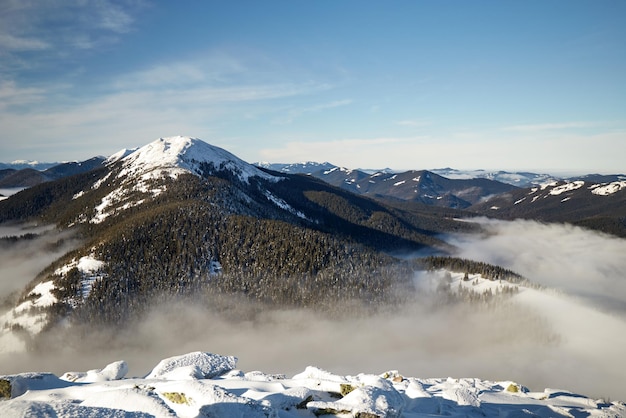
(514, 85)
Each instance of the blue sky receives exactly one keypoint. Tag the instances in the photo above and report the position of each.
(514, 85)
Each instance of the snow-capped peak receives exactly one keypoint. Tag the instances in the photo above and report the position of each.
(187, 154)
(123, 153)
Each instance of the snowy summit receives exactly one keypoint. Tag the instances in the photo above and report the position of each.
(185, 154)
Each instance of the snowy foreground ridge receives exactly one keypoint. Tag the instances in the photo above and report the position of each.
(201, 384)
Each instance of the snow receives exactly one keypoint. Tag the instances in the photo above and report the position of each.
(164, 158)
(205, 365)
(608, 189)
(220, 390)
(27, 315)
(204, 384)
(86, 265)
(399, 183)
(121, 154)
(180, 154)
(284, 205)
(567, 187)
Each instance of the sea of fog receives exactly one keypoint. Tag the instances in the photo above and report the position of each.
(569, 335)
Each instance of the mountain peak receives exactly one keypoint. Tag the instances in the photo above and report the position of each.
(178, 154)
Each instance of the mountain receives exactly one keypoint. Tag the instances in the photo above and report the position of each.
(202, 384)
(483, 191)
(519, 179)
(28, 177)
(207, 224)
(599, 205)
(415, 186)
(20, 164)
(308, 167)
(422, 186)
(25, 177)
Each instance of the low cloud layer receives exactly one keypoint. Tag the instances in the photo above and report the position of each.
(538, 338)
(22, 260)
(574, 260)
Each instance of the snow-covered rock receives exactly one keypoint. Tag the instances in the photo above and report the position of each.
(198, 364)
(114, 371)
(312, 393)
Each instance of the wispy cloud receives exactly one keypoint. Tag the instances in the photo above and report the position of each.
(56, 28)
(113, 17)
(14, 43)
(215, 68)
(11, 95)
(294, 113)
(346, 152)
(125, 117)
(550, 126)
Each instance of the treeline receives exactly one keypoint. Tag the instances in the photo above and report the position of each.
(463, 265)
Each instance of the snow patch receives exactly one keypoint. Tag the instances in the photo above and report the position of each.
(608, 189)
(89, 267)
(28, 315)
(284, 205)
(567, 187)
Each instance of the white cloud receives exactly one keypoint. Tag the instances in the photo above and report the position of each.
(125, 118)
(114, 17)
(575, 260)
(15, 43)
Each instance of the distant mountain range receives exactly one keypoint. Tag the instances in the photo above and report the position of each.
(13, 177)
(598, 202)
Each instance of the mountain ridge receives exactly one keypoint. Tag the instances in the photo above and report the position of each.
(205, 223)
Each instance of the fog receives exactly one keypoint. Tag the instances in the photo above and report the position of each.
(417, 339)
(577, 261)
(22, 260)
(561, 338)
